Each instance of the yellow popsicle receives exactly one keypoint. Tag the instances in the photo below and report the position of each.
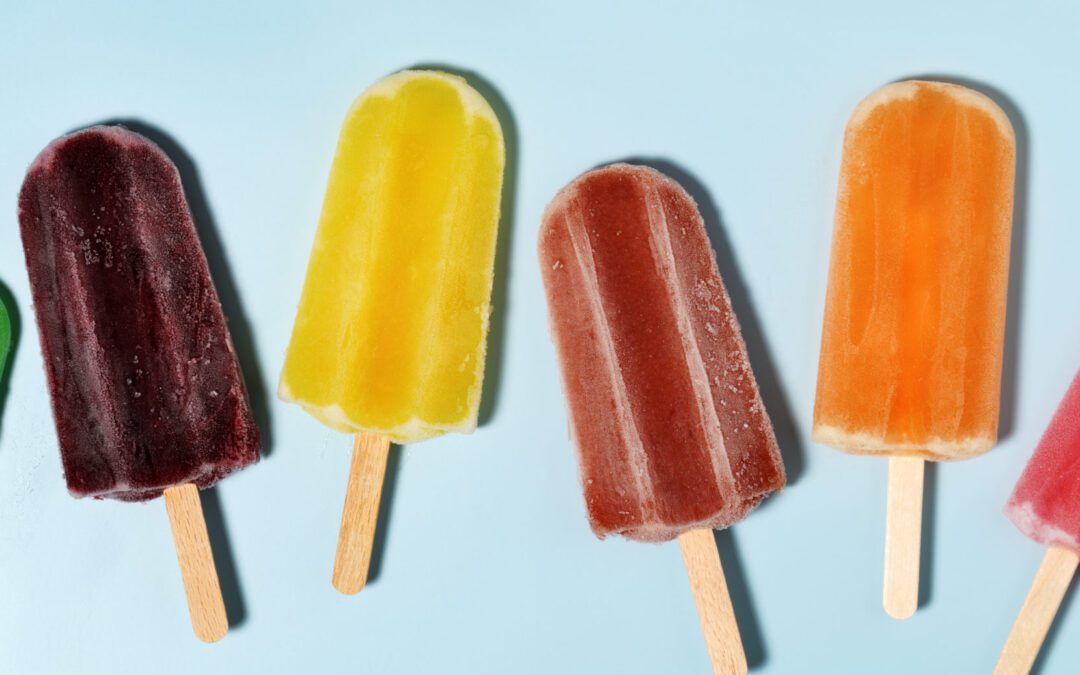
(391, 330)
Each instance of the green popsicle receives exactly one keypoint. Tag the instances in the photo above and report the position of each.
(5, 337)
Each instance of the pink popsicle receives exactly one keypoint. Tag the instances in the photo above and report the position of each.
(1045, 505)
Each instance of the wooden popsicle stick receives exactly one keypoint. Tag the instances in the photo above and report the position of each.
(201, 586)
(358, 519)
(709, 587)
(903, 536)
(1041, 605)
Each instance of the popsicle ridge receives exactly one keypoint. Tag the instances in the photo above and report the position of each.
(665, 415)
(636, 457)
(473, 103)
(391, 332)
(664, 256)
(914, 323)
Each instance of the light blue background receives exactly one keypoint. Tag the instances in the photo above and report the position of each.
(489, 566)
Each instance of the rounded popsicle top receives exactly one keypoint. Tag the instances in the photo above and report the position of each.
(912, 90)
(473, 103)
(619, 171)
(125, 138)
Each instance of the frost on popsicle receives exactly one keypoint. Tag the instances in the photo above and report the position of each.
(914, 327)
(665, 413)
(145, 387)
(1045, 504)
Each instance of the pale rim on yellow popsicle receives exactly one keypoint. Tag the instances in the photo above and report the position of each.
(476, 110)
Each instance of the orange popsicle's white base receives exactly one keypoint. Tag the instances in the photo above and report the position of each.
(933, 449)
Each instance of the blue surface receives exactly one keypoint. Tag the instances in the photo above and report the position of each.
(488, 564)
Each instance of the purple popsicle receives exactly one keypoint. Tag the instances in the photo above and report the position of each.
(145, 387)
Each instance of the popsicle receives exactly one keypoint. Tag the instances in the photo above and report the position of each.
(5, 338)
(671, 434)
(1045, 505)
(915, 312)
(390, 335)
(146, 391)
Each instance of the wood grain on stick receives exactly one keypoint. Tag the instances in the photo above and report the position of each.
(361, 512)
(713, 602)
(903, 536)
(1041, 605)
(201, 585)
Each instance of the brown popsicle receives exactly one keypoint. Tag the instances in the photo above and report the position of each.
(671, 433)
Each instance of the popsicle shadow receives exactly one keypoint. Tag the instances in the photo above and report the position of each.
(741, 600)
(929, 525)
(378, 545)
(231, 592)
(1017, 257)
(772, 391)
(239, 328)
(1055, 628)
(243, 343)
(16, 329)
(493, 373)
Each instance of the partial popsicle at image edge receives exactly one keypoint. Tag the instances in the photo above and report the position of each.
(911, 348)
(390, 335)
(5, 338)
(670, 431)
(1045, 506)
(146, 392)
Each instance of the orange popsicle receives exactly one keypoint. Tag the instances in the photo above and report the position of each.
(915, 313)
